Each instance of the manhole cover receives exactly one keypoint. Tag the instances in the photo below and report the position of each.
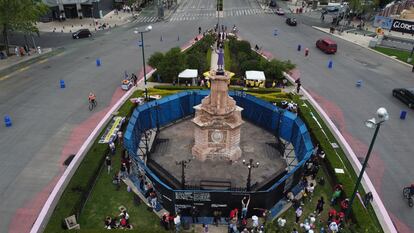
(87, 57)
(46, 67)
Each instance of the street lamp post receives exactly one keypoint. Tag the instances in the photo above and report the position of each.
(250, 165)
(382, 116)
(183, 164)
(147, 29)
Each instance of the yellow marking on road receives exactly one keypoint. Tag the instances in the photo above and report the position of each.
(4, 77)
(59, 54)
(43, 61)
(23, 69)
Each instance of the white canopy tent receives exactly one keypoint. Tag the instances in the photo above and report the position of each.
(188, 74)
(255, 75)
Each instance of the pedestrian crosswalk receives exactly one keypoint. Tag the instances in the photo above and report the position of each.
(206, 14)
(145, 19)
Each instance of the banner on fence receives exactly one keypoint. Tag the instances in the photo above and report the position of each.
(403, 26)
(112, 130)
(383, 22)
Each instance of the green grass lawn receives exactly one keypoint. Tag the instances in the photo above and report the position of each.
(105, 200)
(401, 55)
(324, 191)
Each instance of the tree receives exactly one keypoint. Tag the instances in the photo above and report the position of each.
(156, 59)
(20, 15)
(173, 63)
(196, 61)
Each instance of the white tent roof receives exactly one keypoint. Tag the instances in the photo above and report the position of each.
(255, 75)
(188, 73)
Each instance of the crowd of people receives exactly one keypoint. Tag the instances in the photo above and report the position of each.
(118, 222)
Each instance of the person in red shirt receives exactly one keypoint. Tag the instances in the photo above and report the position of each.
(331, 215)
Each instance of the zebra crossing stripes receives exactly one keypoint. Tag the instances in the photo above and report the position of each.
(146, 19)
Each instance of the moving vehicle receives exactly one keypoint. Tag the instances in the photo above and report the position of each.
(279, 11)
(327, 45)
(406, 95)
(291, 21)
(81, 33)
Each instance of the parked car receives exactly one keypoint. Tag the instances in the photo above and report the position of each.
(406, 95)
(81, 33)
(279, 11)
(327, 45)
(291, 21)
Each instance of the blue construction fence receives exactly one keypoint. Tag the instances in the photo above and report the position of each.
(170, 109)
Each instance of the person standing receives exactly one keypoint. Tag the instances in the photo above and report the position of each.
(245, 205)
(108, 163)
(298, 213)
(123, 171)
(194, 214)
(112, 147)
(120, 138)
(177, 222)
(298, 84)
(319, 206)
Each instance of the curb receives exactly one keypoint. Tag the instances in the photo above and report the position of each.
(15, 67)
(368, 48)
(379, 208)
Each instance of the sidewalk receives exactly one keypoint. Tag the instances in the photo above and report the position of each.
(13, 63)
(72, 25)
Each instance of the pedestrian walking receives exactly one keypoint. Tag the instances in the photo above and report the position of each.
(108, 163)
(298, 85)
(319, 206)
(298, 213)
(306, 52)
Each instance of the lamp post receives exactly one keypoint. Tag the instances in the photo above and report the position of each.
(250, 165)
(183, 164)
(382, 116)
(147, 29)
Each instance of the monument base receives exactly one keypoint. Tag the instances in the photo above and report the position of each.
(203, 153)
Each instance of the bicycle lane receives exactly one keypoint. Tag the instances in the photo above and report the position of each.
(25, 217)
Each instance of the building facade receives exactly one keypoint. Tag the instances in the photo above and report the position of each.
(63, 9)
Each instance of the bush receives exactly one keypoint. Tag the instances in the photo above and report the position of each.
(156, 59)
(208, 59)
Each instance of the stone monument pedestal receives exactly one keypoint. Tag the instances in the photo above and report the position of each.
(218, 121)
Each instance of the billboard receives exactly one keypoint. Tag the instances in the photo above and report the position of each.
(403, 26)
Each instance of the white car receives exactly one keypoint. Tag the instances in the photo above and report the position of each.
(279, 11)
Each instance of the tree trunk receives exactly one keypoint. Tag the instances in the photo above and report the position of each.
(6, 38)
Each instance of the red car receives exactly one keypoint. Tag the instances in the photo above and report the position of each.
(327, 45)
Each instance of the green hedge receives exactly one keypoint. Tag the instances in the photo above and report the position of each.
(171, 87)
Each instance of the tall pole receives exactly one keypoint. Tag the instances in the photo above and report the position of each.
(182, 175)
(348, 211)
(143, 62)
(249, 177)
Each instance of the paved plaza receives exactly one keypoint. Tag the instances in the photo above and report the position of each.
(256, 143)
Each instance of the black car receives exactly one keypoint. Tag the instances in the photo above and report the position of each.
(291, 21)
(406, 95)
(81, 33)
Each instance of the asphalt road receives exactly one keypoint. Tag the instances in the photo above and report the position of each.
(44, 116)
(348, 106)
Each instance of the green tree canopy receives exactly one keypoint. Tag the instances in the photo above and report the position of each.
(173, 63)
(20, 15)
(156, 59)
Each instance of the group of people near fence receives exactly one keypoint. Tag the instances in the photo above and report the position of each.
(118, 222)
